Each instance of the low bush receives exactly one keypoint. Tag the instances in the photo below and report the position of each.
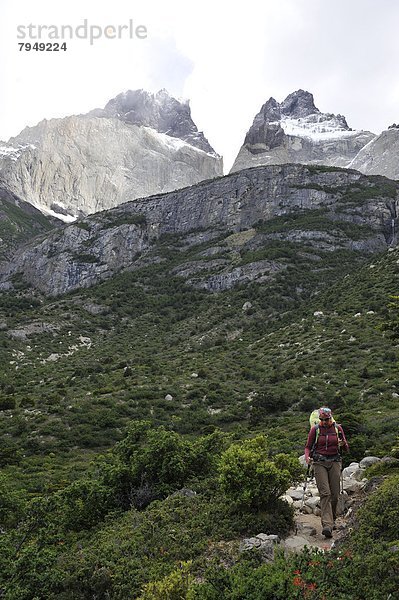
(250, 479)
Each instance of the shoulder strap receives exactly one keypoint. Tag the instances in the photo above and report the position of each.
(338, 431)
(317, 430)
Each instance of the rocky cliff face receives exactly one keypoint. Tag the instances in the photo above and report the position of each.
(380, 156)
(352, 212)
(295, 131)
(159, 111)
(139, 145)
(19, 222)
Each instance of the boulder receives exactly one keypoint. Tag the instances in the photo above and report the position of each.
(313, 502)
(306, 530)
(348, 471)
(262, 543)
(359, 474)
(368, 461)
(351, 485)
(389, 459)
(312, 489)
(264, 537)
(287, 498)
(250, 544)
(295, 494)
(246, 306)
(295, 543)
(307, 509)
(302, 460)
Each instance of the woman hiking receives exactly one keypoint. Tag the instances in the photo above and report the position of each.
(325, 440)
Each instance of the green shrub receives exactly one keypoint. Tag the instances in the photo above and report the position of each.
(379, 516)
(383, 468)
(172, 587)
(249, 478)
(84, 503)
(12, 503)
(7, 403)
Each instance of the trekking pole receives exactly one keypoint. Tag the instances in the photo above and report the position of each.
(305, 483)
(340, 441)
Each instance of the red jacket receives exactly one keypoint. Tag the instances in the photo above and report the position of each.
(327, 442)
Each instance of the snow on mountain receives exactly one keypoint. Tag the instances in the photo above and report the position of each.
(14, 153)
(380, 156)
(161, 112)
(140, 144)
(315, 127)
(295, 130)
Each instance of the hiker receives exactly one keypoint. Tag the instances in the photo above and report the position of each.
(322, 450)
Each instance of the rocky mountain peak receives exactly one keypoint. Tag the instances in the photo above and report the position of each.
(160, 111)
(138, 145)
(295, 130)
(270, 111)
(299, 104)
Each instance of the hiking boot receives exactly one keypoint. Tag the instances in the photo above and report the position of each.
(326, 532)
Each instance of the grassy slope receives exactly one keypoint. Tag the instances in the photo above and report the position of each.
(264, 368)
(73, 387)
(19, 222)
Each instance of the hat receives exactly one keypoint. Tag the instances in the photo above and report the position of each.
(325, 413)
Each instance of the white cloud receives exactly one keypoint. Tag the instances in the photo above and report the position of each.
(227, 59)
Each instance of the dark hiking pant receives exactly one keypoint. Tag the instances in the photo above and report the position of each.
(328, 475)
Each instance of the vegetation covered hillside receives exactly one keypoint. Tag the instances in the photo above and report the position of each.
(78, 368)
(115, 398)
(19, 222)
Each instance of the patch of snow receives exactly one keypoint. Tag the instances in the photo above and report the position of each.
(174, 143)
(167, 140)
(14, 152)
(48, 211)
(317, 127)
(362, 151)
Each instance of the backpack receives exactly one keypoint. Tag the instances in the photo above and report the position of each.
(315, 422)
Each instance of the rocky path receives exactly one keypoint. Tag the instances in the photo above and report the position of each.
(307, 530)
(307, 508)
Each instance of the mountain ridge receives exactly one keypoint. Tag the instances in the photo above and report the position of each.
(160, 111)
(80, 164)
(295, 130)
(91, 250)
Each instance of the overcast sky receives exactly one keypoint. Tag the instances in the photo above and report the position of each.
(226, 59)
